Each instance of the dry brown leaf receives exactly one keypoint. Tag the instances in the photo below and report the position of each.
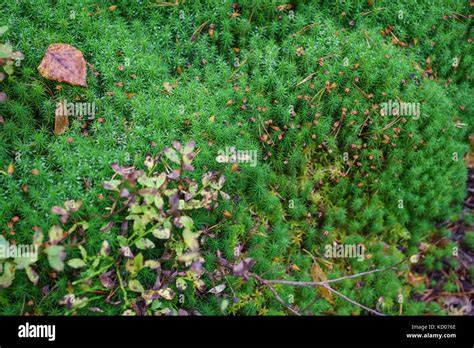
(318, 275)
(112, 8)
(417, 66)
(10, 169)
(64, 63)
(416, 279)
(168, 87)
(285, 7)
(295, 267)
(61, 119)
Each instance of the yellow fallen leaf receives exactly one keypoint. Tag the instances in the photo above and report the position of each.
(415, 279)
(285, 7)
(10, 169)
(318, 275)
(295, 267)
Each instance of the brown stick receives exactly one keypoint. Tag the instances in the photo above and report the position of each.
(307, 78)
(352, 301)
(366, 95)
(197, 31)
(306, 28)
(385, 127)
(369, 12)
(324, 284)
(277, 297)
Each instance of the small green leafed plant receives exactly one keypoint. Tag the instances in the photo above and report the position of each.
(8, 58)
(155, 235)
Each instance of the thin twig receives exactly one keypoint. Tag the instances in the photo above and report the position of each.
(369, 12)
(325, 282)
(385, 127)
(198, 31)
(366, 95)
(352, 301)
(307, 78)
(363, 125)
(321, 91)
(277, 297)
(306, 28)
(236, 70)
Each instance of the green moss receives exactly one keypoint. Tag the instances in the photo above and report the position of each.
(400, 180)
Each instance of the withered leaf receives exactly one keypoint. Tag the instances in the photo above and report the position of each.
(10, 169)
(64, 63)
(284, 7)
(168, 87)
(217, 289)
(416, 279)
(61, 119)
(318, 275)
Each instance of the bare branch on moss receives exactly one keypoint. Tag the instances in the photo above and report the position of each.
(268, 283)
(277, 297)
(352, 301)
(323, 283)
